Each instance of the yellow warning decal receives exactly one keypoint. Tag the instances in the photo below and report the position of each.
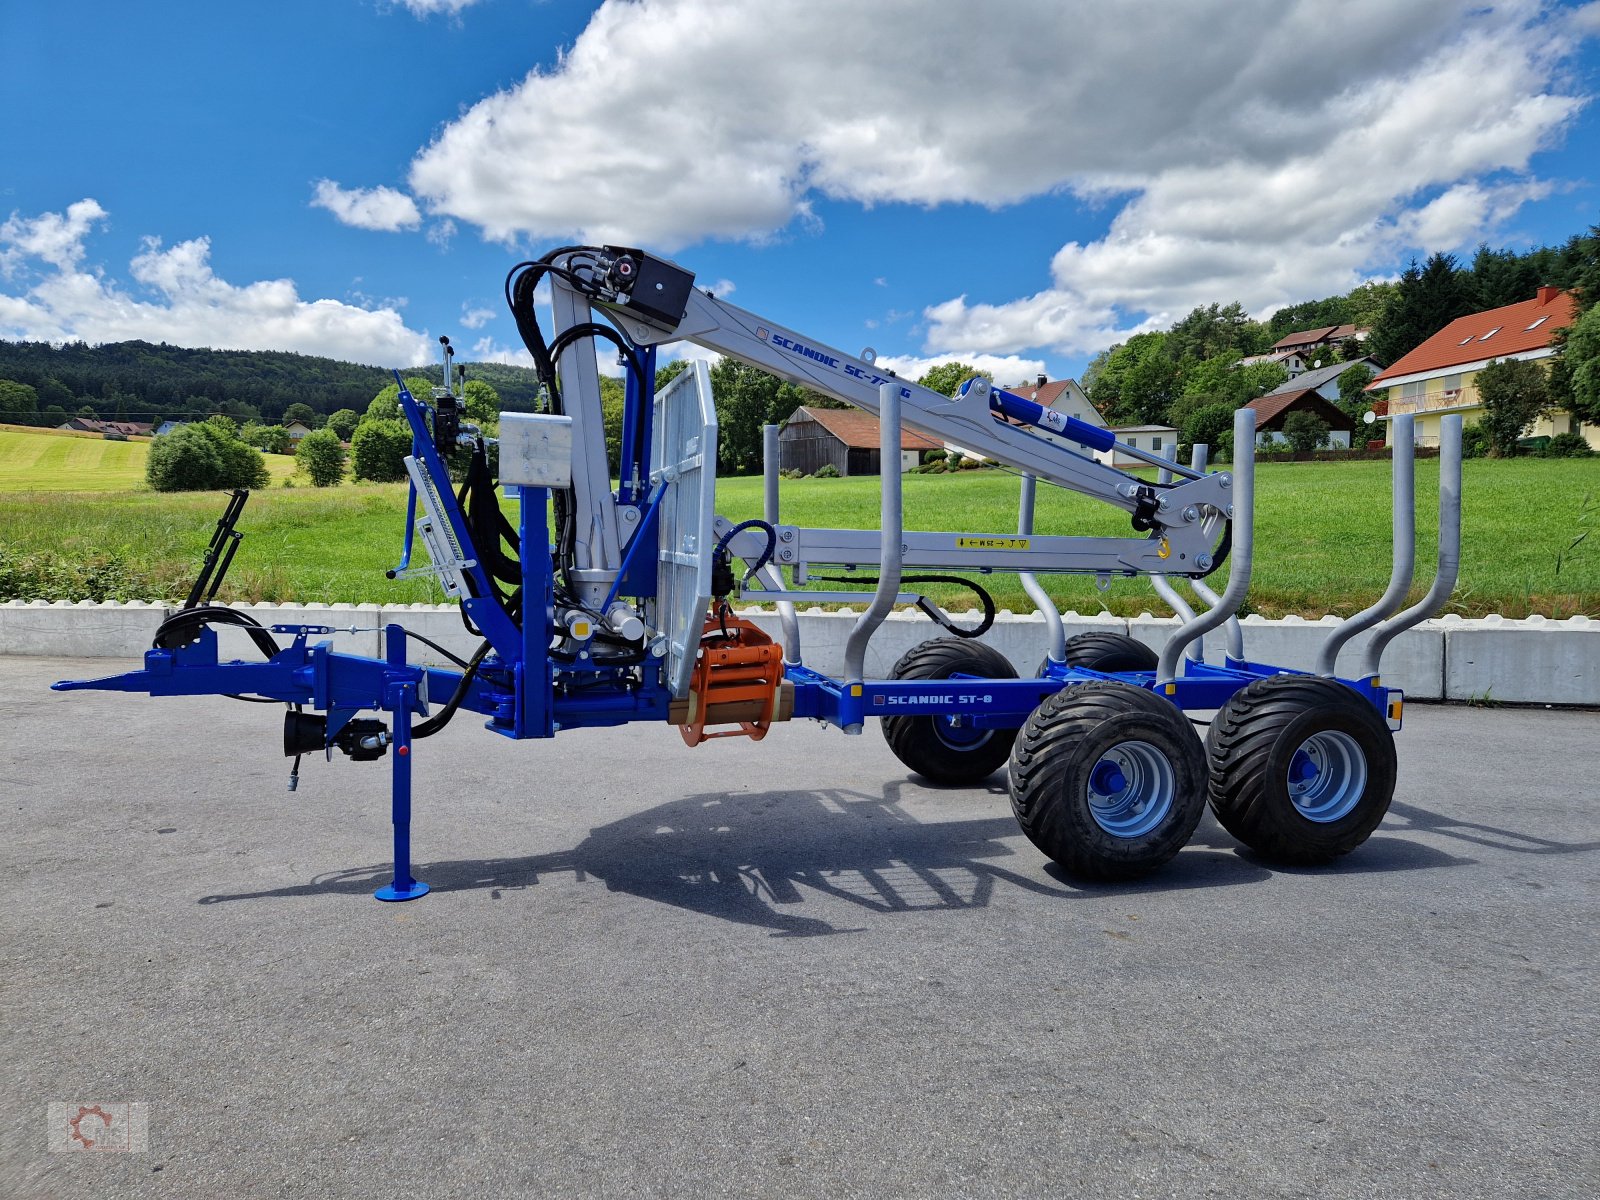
(992, 543)
(1164, 550)
(855, 689)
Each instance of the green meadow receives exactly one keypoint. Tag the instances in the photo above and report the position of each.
(76, 523)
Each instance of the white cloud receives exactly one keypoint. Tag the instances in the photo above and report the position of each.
(476, 318)
(722, 289)
(52, 237)
(184, 302)
(422, 9)
(1260, 150)
(1006, 369)
(440, 232)
(380, 208)
(486, 349)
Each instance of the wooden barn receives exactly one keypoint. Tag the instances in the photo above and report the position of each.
(845, 438)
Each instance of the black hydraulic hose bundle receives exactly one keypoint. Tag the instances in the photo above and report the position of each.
(184, 626)
(932, 610)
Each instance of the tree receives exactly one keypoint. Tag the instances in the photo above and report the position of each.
(322, 455)
(1137, 382)
(1581, 359)
(1305, 431)
(1366, 303)
(203, 456)
(301, 412)
(1515, 394)
(385, 406)
(1212, 426)
(1428, 299)
(19, 403)
(1220, 380)
(343, 423)
(1353, 399)
(483, 405)
(1310, 314)
(272, 439)
(1501, 277)
(613, 401)
(747, 399)
(947, 378)
(1214, 331)
(378, 449)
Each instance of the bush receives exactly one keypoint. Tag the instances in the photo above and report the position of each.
(201, 457)
(1474, 441)
(1514, 394)
(931, 456)
(323, 457)
(270, 439)
(1305, 431)
(791, 473)
(379, 448)
(827, 471)
(1568, 445)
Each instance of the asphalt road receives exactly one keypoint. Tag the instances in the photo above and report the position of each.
(773, 969)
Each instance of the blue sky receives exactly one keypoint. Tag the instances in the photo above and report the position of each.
(1017, 184)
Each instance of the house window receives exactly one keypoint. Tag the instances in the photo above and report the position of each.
(1155, 443)
(1490, 334)
(1134, 442)
(1465, 340)
(1539, 322)
(1412, 393)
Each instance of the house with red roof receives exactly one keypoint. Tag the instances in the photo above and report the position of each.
(1439, 376)
(1273, 409)
(1308, 341)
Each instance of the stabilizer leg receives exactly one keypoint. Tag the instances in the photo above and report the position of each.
(400, 697)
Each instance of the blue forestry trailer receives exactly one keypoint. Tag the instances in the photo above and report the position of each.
(606, 604)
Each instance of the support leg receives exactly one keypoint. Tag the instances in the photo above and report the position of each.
(403, 886)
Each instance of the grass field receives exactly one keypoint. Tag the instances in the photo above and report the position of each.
(1321, 538)
(61, 460)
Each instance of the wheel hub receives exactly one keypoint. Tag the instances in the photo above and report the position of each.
(1131, 789)
(1327, 776)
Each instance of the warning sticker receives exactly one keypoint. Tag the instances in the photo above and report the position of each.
(991, 543)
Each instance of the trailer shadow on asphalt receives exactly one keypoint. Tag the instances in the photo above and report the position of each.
(754, 857)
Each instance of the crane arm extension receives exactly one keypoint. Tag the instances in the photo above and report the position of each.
(654, 301)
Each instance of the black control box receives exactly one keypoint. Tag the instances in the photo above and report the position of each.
(658, 290)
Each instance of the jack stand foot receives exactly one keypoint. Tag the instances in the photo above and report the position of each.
(393, 891)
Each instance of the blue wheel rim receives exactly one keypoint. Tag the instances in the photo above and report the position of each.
(1327, 776)
(1131, 789)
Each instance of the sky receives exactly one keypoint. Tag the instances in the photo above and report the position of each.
(1018, 184)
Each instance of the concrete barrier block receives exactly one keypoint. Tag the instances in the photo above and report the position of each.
(234, 643)
(1020, 637)
(438, 622)
(85, 629)
(1536, 661)
(1413, 662)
